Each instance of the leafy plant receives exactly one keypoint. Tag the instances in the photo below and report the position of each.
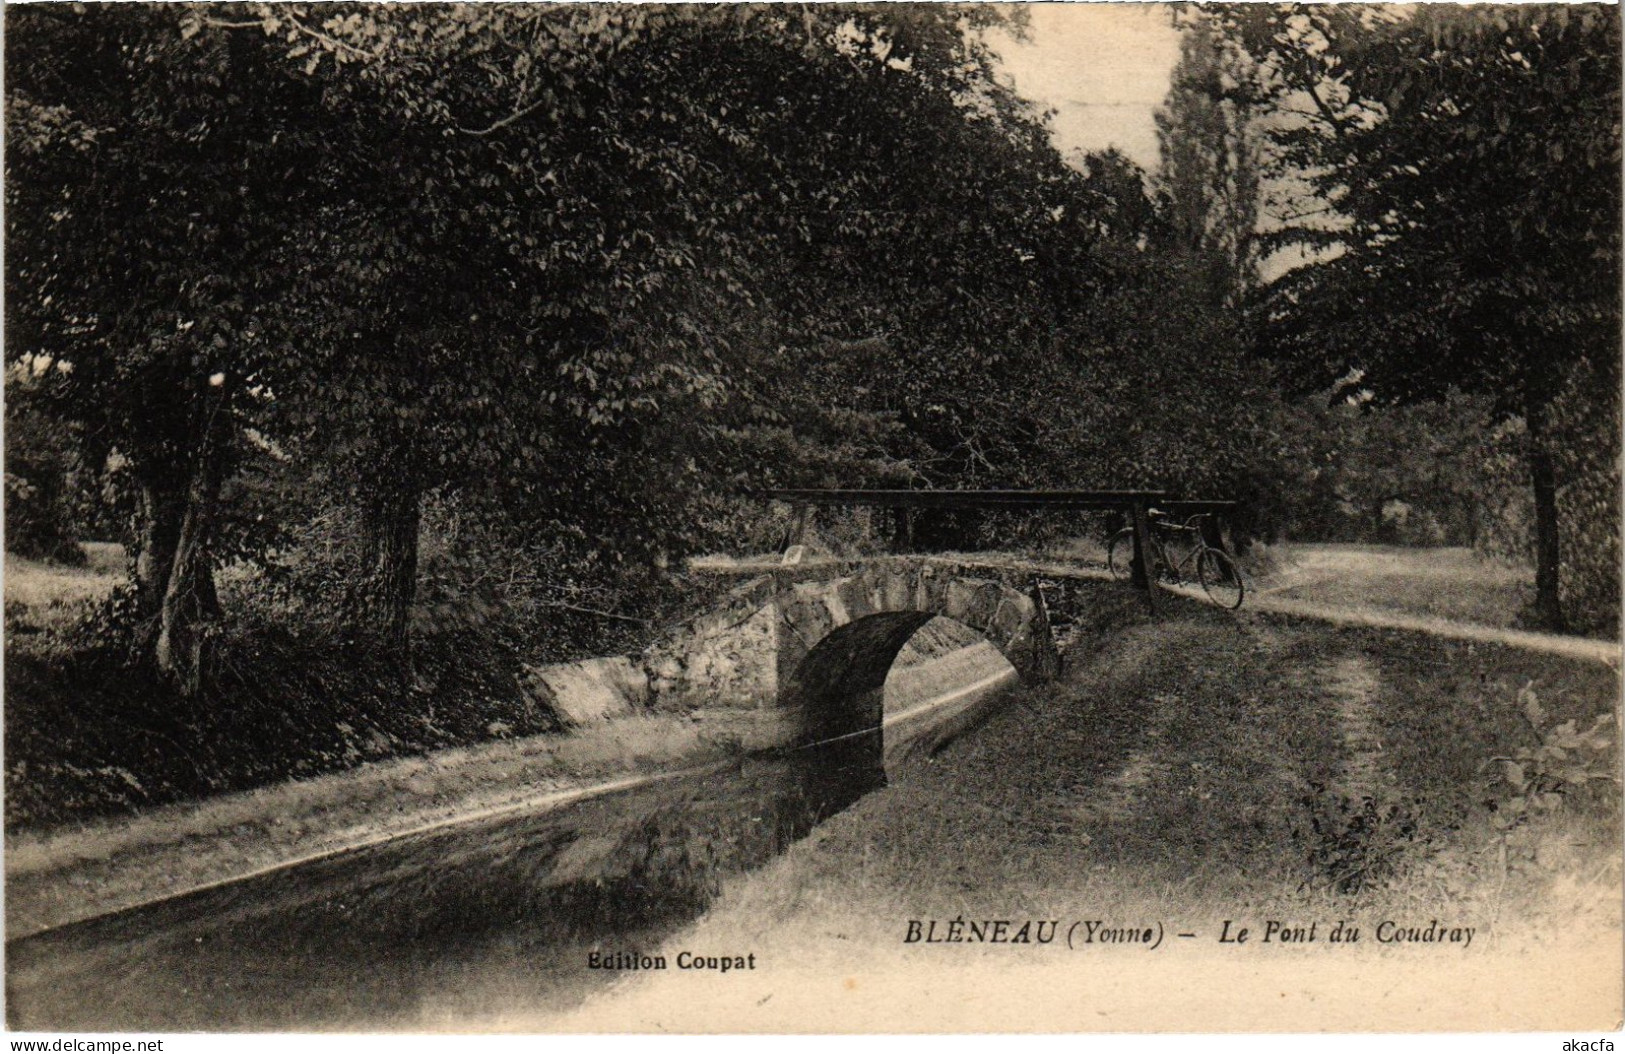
(1357, 843)
(1536, 780)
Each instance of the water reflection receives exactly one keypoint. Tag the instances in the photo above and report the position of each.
(485, 919)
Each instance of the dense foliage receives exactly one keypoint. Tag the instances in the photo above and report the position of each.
(421, 342)
(585, 265)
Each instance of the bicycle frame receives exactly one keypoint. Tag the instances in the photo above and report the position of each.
(1162, 533)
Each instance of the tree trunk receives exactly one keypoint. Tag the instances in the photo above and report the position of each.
(392, 563)
(190, 606)
(1543, 476)
(163, 506)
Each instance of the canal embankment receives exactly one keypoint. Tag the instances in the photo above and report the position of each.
(83, 871)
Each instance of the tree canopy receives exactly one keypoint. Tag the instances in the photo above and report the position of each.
(600, 266)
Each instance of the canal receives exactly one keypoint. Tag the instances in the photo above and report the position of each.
(483, 919)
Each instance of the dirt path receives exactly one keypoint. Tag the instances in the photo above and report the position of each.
(1365, 570)
(1445, 577)
(1351, 683)
(1345, 684)
(1602, 651)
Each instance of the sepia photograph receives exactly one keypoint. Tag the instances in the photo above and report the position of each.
(811, 518)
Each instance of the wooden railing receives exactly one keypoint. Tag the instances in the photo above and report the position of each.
(1137, 503)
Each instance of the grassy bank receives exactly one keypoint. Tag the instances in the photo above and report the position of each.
(91, 734)
(1190, 772)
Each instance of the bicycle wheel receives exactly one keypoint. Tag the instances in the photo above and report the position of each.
(1120, 554)
(1220, 578)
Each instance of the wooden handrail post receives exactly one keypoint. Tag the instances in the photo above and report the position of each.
(798, 532)
(1145, 572)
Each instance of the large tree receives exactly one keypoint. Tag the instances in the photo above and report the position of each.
(1209, 146)
(1472, 156)
(154, 187)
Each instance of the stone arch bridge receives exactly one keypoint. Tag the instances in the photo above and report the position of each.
(798, 654)
(807, 648)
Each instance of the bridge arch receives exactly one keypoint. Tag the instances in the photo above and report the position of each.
(844, 634)
(839, 688)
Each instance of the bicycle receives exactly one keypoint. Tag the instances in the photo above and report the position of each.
(1215, 570)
